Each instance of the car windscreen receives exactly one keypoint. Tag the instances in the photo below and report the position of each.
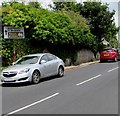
(119, 50)
(28, 60)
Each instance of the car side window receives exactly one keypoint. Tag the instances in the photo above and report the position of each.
(44, 58)
(51, 57)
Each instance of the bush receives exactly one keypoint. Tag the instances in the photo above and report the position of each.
(12, 50)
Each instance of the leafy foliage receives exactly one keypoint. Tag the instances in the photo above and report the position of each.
(35, 4)
(48, 26)
(11, 50)
(44, 28)
(99, 18)
(15, 15)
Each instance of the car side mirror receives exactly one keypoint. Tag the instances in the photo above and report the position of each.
(13, 63)
(43, 61)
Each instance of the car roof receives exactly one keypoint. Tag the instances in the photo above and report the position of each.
(109, 49)
(37, 54)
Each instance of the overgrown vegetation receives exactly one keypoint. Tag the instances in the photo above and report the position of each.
(62, 31)
(98, 16)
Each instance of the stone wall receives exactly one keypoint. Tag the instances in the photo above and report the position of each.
(83, 56)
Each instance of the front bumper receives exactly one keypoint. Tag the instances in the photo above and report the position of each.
(19, 78)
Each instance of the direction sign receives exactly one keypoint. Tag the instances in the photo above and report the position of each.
(13, 33)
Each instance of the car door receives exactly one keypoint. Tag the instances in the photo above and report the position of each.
(53, 64)
(44, 67)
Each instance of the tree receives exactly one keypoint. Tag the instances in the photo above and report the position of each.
(101, 20)
(46, 28)
(35, 4)
(68, 6)
(81, 33)
(98, 16)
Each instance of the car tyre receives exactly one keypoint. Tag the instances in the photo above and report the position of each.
(36, 77)
(60, 71)
(115, 59)
(101, 61)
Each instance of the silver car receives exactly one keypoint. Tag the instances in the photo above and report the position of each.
(32, 68)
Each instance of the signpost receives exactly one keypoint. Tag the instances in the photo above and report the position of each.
(13, 33)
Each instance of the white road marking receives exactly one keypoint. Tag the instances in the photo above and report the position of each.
(89, 80)
(37, 102)
(25, 107)
(113, 69)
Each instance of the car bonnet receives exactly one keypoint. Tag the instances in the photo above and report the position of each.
(17, 67)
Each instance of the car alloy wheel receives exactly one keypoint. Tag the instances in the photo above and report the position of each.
(61, 71)
(36, 77)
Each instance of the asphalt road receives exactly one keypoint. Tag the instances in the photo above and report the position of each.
(88, 90)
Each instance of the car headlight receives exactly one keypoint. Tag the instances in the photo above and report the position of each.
(24, 70)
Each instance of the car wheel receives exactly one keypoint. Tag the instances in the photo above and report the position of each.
(61, 71)
(36, 77)
(115, 59)
(101, 61)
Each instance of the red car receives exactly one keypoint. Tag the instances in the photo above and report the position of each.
(118, 50)
(109, 54)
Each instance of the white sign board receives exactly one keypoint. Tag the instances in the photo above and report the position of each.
(13, 33)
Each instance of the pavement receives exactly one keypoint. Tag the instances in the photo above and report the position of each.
(67, 68)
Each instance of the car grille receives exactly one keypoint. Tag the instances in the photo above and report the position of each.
(9, 74)
(9, 81)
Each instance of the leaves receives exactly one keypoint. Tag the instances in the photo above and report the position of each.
(49, 26)
(98, 17)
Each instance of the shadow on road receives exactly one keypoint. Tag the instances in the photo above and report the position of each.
(15, 84)
(49, 78)
(110, 61)
(28, 83)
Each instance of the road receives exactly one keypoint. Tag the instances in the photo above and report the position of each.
(84, 90)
